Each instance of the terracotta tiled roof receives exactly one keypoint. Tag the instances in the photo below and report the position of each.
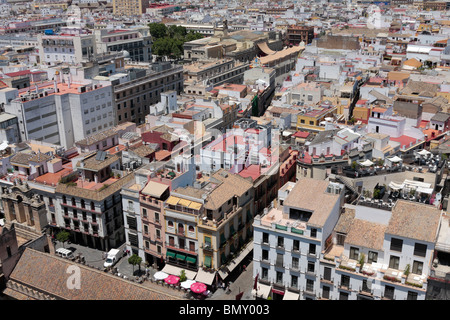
(366, 234)
(25, 158)
(232, 185)
(143, 150)
(345, 221)
(93, 164)
(310, 195)
(47, 273)
(96, 195)
(414, 220)
(97, 137)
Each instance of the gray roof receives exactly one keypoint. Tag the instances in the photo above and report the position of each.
(441, 117)
(324, 136)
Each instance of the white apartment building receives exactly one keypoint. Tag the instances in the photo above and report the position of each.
(136, 41)
(61, 113)
(367, 254)
(71, 46)
(380, 253)
(289, 238)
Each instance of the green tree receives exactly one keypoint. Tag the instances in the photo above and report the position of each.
(183, 276)
(63, 237)
(191, 36)
(158, 30)
(135, 260)
(176, 32)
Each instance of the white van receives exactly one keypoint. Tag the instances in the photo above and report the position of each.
(65, 253)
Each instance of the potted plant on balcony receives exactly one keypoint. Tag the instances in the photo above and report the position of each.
(361, 262)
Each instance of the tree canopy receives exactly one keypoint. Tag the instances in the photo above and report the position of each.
(63, 237)
(168, 41)
(135, 260)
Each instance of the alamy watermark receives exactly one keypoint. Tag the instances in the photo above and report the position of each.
(74, 280)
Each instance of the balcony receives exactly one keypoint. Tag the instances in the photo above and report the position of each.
(207, 247)
(310, 273)
(295, 267)
(310, 290)
(345, 286)
(329, 281)
(393, 275)
(415, 280)
(365, 290)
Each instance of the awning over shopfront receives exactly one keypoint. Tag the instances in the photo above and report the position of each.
(288, 295)
(262, 291)
(205, 277)
(171, 269)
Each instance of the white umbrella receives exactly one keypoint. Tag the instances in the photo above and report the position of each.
(395, 159)
(187, 284)
(367, 163)
(424, 152)
(160, 275)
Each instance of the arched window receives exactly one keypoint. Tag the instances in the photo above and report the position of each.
(170, 224)
(92, 205)
(64, 200)
(74, 202)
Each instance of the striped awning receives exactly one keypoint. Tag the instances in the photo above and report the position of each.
(173, 200)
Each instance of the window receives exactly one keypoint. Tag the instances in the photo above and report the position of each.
(295, 263)
(411, 295)
(145, 229)
(311, 267)
(340, 239)
(389, 292)
(264, 273)
(280, 242)
(279, 262)
(372, 257)
(279, 277)
(156, 217)
(420, 249)
(343, 295)
(417, 267)
(354, 253)
(144, 213)
(296, 245)
(8, 251)
(326, 292)
(265, 255)
(327, 273)
(313, 233)
(394, 262)
(366, 286)
(191, 229)
(294, 281)
(158, 234)
(312, 249)
(309, 285)
(396, 244)
(170, 224)
(345, 281)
